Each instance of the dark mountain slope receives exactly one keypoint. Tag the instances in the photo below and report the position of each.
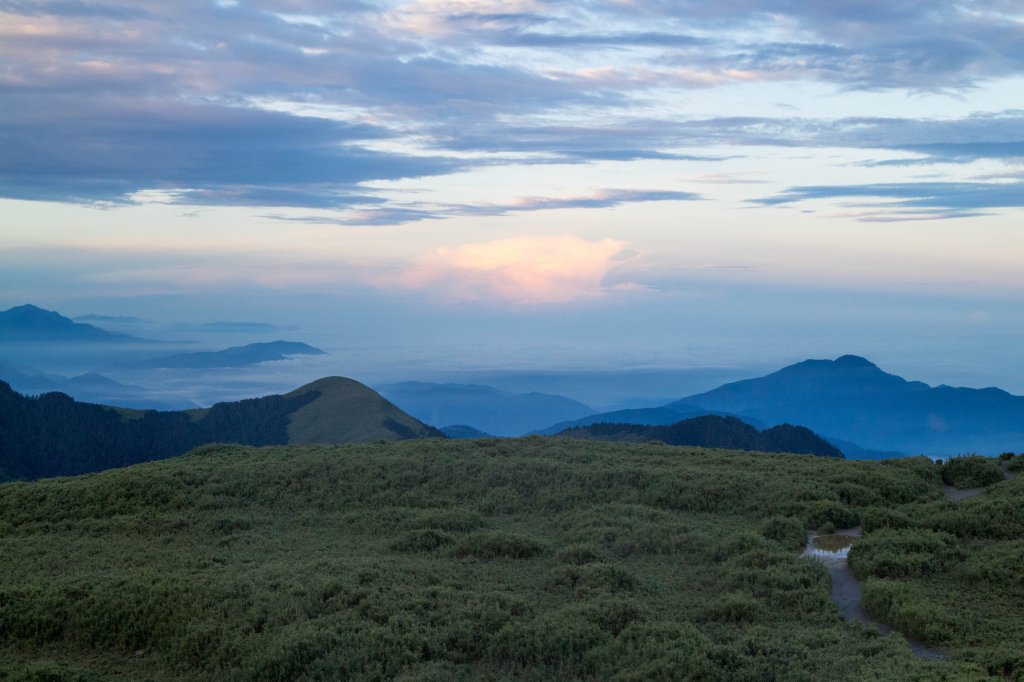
(53, 435)
(852, 399)
(651, 416)
(714, 432)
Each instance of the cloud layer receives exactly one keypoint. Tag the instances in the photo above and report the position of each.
(301, 103)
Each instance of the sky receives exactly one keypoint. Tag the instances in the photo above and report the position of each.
(453, 185)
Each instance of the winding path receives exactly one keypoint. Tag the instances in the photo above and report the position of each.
(832, 551)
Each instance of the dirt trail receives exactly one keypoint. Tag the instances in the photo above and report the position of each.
(831, 551)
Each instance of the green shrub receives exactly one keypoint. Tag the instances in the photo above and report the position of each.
(971, 471)
(580, 553)
(903, 553)
(786, 530)
(874, 518)
(900, 607)
(425, 540)
(821, 513)
(734, 608)
(495, 545)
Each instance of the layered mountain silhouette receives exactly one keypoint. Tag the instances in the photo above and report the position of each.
(712, 431)
(483, 408)
(237, 356)
(90, 387)
(851, 399)
(54, 435)
(651, 416)
(31, 324)
(461, 431)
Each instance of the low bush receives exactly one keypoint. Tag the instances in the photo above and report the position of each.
(874, 518)
(786, 530)
(903, 553)
(496, 545)
(425, 540)
(902, 608)
(971, 471)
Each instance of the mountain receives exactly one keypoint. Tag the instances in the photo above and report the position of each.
(851, 399)
(482, 407)
(54, 435)
(711, 431)
(461, 431)
(237, 356)
(346, 411)
(31, 324)
(651, 416)
(28, 379)
(89, 387)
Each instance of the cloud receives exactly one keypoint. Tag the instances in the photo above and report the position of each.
(912, 200)
(102, 99)
(106, 150)
(523, 270)
(398, 214)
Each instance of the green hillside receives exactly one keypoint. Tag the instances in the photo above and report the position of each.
(535, 559)
(346, 411)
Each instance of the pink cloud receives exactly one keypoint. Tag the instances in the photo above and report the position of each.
(524, 270)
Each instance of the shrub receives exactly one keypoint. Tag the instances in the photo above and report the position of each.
(897, 605)
(734, 608)
(903, 553)
(786, 530)
(580, 553)
(874, 518)
(495, 545)
(425, 540)
(971, 471)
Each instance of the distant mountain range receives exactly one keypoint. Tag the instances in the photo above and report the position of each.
(31, 324)
(482, 407)
(861, 409)
(90, 387)
(651, 416)
(461, 431)
(237, 356)
(53, 435)
(713, 432)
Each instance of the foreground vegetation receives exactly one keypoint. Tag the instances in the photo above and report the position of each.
(532, 559)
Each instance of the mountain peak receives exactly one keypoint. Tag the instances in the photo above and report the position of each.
(853, 361)
(28, 322)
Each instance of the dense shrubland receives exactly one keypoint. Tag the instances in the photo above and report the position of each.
(534, 559)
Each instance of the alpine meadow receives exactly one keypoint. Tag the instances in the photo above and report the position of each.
(456, 340)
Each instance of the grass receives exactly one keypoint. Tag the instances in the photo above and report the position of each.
(532, 559)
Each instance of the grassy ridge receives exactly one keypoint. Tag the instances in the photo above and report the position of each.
(496, 559)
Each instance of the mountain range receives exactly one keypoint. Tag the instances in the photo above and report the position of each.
(54, 435)
(860, 408)
(484, 408)
(90, 387)
(236, 356)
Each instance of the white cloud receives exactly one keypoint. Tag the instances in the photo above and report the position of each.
(524, 270)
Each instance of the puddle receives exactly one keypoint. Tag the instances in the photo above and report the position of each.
(834, 546)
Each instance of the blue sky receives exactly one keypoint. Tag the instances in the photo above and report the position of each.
(473, 183)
